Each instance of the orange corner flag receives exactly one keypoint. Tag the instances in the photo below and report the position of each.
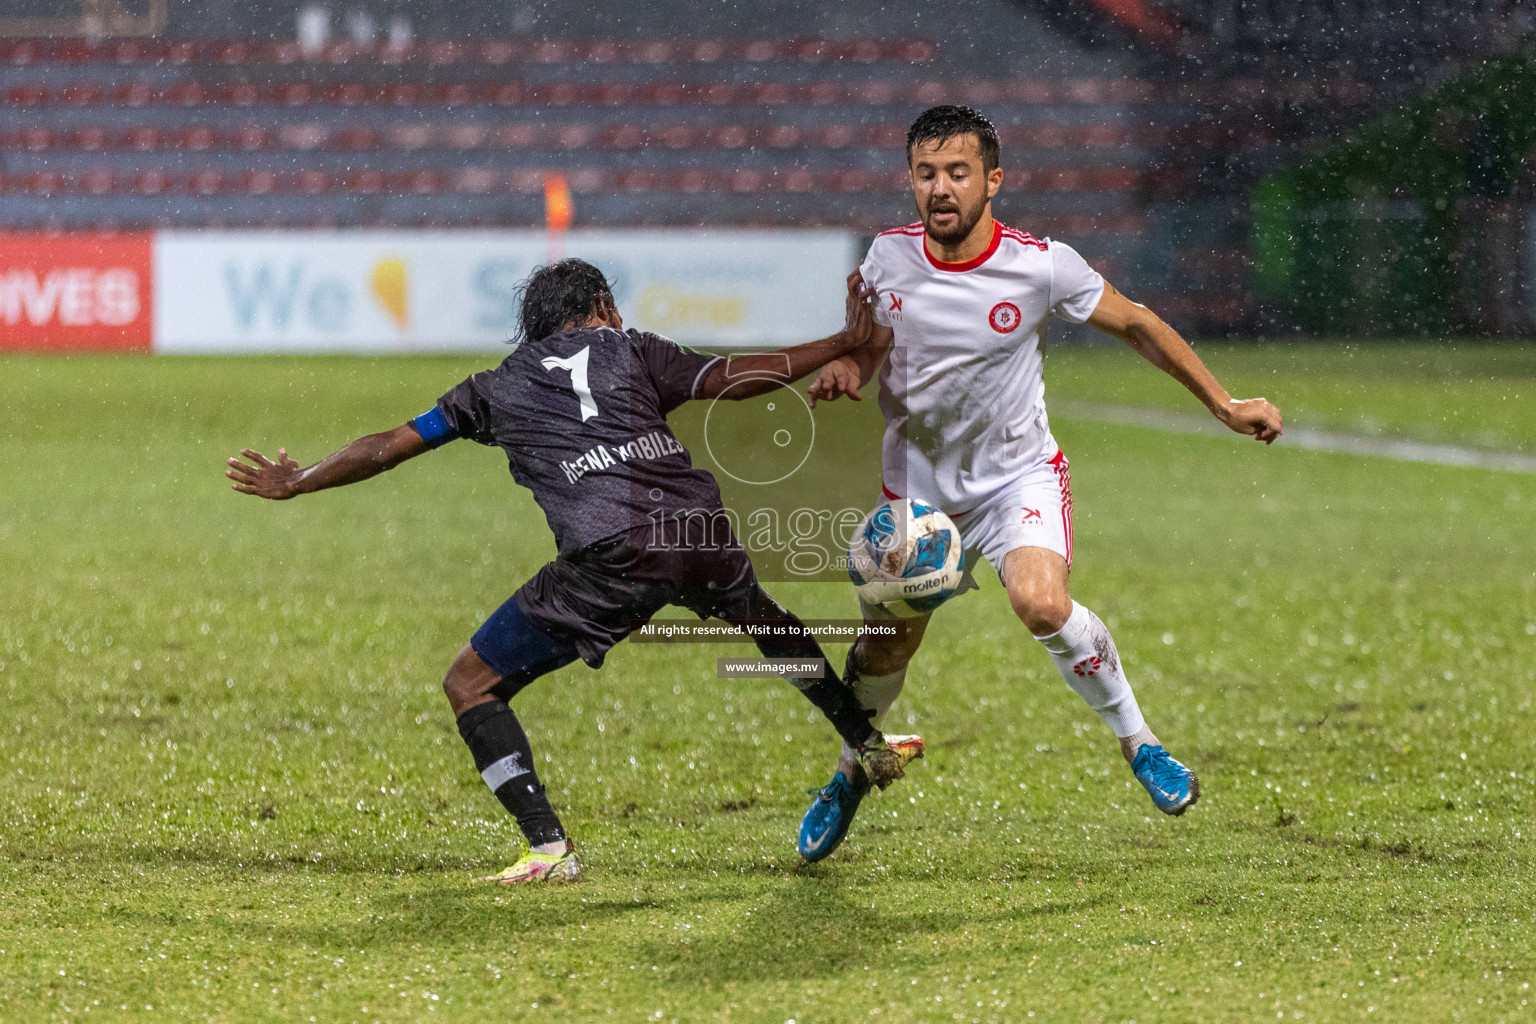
(558, 210)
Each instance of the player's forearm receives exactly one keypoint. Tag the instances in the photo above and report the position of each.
(757, 374)
(366, 457)
(1163, 347)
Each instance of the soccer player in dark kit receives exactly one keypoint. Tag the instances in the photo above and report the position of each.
(580, 408)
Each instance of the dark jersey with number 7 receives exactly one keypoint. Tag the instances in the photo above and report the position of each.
(582, 416)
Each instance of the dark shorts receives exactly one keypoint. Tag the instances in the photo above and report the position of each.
(588, 602)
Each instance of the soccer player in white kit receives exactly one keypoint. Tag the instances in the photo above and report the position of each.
(962, 304)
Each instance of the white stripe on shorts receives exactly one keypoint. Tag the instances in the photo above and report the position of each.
(502, 772)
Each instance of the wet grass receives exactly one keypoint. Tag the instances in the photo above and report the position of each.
(234, 791)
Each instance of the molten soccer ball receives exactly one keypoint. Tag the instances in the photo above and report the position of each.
(906, 557)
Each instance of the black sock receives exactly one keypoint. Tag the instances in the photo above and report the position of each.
(505, 760)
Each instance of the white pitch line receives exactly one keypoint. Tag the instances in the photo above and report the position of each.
(1301, 437)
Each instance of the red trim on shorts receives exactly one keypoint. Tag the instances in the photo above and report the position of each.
(1063, 470)
(890, 495)
(970, 264)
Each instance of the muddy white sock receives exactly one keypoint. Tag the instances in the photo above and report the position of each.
(1085, 655)
(877, 693)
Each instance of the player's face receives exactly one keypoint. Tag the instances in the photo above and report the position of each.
(951, 188)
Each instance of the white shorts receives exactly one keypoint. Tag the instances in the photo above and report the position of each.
(1033, 510)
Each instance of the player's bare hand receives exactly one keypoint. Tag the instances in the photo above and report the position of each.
(1255, 416)
(839, 377)
(264, 478)
(860, 309)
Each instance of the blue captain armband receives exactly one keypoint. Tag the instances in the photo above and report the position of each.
(434, 428)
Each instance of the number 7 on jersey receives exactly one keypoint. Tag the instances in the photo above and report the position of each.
(577, 365)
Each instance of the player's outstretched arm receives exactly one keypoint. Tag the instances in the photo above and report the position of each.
(747, 376)
(848, 373)
(1160, 345)
(367, 456)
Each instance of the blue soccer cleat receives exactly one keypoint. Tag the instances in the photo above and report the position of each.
(1172, 787)
(826, 823)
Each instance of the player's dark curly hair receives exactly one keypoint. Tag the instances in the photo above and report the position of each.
(937, 124)
(560, 295)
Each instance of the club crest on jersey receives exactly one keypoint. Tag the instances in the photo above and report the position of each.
(1004, 317)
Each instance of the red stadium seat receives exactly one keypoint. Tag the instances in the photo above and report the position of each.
(187, 94)
(746, 181)
(837, 136)
(45, 183)
(576, 135)
(637, 180)
(528, 181)
(251, 136)
(692, 181)
(509, 94)
(653, 53)
(313, 182)
(410, 136)
(96, 182)
(402, 94)
(241, 94)
(137, 94)
(798, 179)
(259, 183)
(623, 136)
(206, 182)
(357, 139)
(587, 180)
(84, 95)
(197, 138)
(824, 93)
(497, 52)
(295, 94)
(144, 138)
(770, 93)
(676, 136)
(28, 96)
(516, 136)
(152, 183)
(91, 140)
(730, 136)
(353, 94)
(303, 136)
(465, 136)
(663, 94)
(35, 140)
(475, 179)
(182, 52)
(366, 182)
(422, 182)
(782, 136)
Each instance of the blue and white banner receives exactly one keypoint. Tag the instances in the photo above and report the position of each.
(379, 292)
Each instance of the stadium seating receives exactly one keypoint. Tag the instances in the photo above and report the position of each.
(710, 131)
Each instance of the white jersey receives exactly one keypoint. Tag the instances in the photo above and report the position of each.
(963, 389)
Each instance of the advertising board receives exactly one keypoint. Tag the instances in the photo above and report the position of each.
(385, 292)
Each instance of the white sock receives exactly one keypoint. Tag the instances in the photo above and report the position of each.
(877, 693)
(1085, 655)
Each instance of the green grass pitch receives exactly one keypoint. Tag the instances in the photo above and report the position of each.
(232, 789)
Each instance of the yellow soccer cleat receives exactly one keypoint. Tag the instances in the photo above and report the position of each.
(539, 867)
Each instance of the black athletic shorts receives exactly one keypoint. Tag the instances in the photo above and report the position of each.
(598, 596)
